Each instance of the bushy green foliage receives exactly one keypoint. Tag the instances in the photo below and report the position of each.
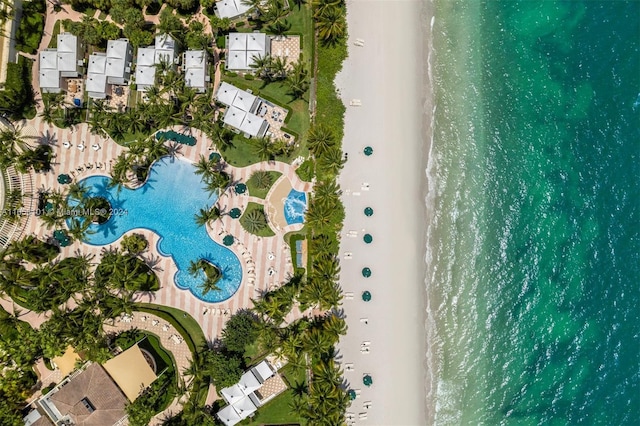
(134, 244)
(93, 31)
(240, 331)
(31, 26)
(16, 100)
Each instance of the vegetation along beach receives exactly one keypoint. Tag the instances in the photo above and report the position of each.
(319, 212)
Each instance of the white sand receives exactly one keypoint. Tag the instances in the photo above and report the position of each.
(386, 76)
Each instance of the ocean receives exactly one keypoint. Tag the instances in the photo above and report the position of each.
(533, 249)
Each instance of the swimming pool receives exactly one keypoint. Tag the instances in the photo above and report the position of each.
(166, 204)
(295, 206)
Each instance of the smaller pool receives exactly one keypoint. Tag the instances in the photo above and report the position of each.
(295, 206)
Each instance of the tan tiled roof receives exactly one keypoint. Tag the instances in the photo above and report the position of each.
(94, 384)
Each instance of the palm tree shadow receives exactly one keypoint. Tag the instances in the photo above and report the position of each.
(152, 261)
(49, 138)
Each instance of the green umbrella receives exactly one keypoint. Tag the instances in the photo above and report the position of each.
(64, 178)
(368, 211)
(368, 151)
(366, 272)
(241, 188)
(235, 213)
(367, 380)
(214, 156)
(228, 240)
(352, 394)
(366, 296)
(367, 238)
(48, 208)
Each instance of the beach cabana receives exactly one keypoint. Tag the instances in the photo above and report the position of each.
(366, 272)
(368, 211)
(367, 238)
(366, 296)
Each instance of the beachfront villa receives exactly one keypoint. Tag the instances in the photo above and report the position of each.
(109, 69)
(256, 387)
(196, 75)
(62, 62)
(95, 394)
(242, 108)
(243, 48)
(148, 58)
(231, 8)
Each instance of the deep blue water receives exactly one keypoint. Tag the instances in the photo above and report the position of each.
(535, 255)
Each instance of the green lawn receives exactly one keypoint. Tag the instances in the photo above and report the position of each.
(277, 411)
(182, 321)
(254, 191)
(302, 24)
(53, 43)
(264, 232)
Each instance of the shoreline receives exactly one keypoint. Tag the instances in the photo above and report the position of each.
(385, 70)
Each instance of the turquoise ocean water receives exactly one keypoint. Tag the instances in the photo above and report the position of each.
(534, 259)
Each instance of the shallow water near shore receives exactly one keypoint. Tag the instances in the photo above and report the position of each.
(534, 252)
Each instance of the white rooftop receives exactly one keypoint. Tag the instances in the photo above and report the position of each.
(97, 64)
(229, 416)
(254, 125)
(244, 47)
(96, 85)
(48, 60)
(248, 382)
(244, 407)
(231, 8)
(263, 371)
(195, 69)
(244, 100)
(234, 117)
(232, 394)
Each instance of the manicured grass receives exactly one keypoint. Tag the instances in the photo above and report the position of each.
(277, 411)
(184, 323)
(254, 191)
(291, 239)
(264, 232)
(53, 43)
(302, 24)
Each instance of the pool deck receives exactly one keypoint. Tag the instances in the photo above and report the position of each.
(266, 261)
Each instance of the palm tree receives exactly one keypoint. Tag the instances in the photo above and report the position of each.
(317, 342)
(320, 139)
(255, 221)
(262, 65)
(327, 270)
(205, 216)
(298, 84)
(330, 24)
(262, 179)
(262, 147)
(332, 161)
(255, 5)
(321, 6)
(13, 141)
(77, 190)
(279, 27)
(335, 326)
(204, 167)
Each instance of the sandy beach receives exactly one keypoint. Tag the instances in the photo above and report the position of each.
(382, 86)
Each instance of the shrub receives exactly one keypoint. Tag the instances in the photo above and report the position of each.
(17, 96)
(31, 26)
(249, 76)
(306, 170)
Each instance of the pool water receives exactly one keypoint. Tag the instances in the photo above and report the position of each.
(295, 206)
(166, 204)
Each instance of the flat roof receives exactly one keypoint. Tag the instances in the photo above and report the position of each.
(231, 8)
(97, 63)
(66, 362)
(146, 56)
(131, 372)
(48, 60)
(96, 85)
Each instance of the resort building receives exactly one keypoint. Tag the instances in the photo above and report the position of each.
(196, 74)
(61, 62)
(256, 387)
(96, 394)
(243, 48)
(242, 107)
(87, 397)
(164, 51)
(231, 8)
(111, 68)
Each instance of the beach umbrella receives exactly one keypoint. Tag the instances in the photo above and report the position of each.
(48, 207)
(367, 380)
(368, 211)
(214, 156)
(366, 272)
(64, 178)
(368, 151)
(367, 238)
(241, 188)
(228, 240)
(352, 394)
(235, 213)
(366, 296)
